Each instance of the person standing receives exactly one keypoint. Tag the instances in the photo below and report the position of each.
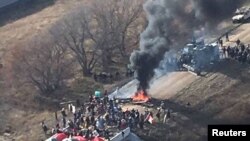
(158, 114)
(228, 51)
(56, 118)
(64, 122)
(63, 112)
(141, 122)
(224, 52)
(45, 128)
(238, 42)
(106, 134)
(227, 37)
(168, 113)
(166, 116)
(78, 103)
(221, 42)
(162, 107)
(91, 98)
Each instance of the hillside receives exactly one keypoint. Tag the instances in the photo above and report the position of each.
(21, 30)
(241, 33)
(221, 96)
(21, 110)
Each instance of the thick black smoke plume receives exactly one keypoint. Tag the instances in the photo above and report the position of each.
(170, 24)
(153, 44)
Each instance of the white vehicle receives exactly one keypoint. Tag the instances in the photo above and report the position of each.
(241, 15)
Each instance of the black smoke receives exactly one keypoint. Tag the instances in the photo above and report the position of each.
(170, 24)
(213, 11)
(153, 43)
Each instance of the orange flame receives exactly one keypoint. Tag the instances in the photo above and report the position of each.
(140, 96)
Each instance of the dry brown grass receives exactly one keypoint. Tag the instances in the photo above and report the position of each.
(221, 96)
(25, 28)
(22, 109)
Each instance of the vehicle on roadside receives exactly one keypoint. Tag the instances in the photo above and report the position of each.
(241, 15)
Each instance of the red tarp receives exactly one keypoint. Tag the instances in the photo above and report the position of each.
(98, 139)
(80, 138)
(59, 136)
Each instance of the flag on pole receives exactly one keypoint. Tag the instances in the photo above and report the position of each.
(150, 119)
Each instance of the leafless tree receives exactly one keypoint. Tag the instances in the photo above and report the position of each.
(118, 25)
(43, 64)
(72, 32)
(96, 31)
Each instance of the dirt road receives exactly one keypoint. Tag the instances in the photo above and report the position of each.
(169, 85)
(241, 33)
(161, 88)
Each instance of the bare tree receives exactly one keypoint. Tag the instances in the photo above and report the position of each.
(72, 32)
(130, 20)
(118, 25)
(94, 32)
(43, 64)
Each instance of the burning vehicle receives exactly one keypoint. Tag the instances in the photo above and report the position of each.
(241, 15)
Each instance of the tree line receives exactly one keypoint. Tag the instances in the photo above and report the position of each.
(86, 38)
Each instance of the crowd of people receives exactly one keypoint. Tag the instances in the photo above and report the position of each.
(239, 52)
(101, 117)
(107, 77)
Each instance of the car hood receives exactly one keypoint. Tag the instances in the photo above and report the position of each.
(237, 17)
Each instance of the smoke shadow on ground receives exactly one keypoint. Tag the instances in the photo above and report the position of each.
(230, 68)
(21, 9)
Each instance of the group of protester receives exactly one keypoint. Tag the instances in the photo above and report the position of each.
(239, 52)
(105, 77)
(101, 117)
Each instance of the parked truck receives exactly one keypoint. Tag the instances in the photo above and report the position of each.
(241, 15)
